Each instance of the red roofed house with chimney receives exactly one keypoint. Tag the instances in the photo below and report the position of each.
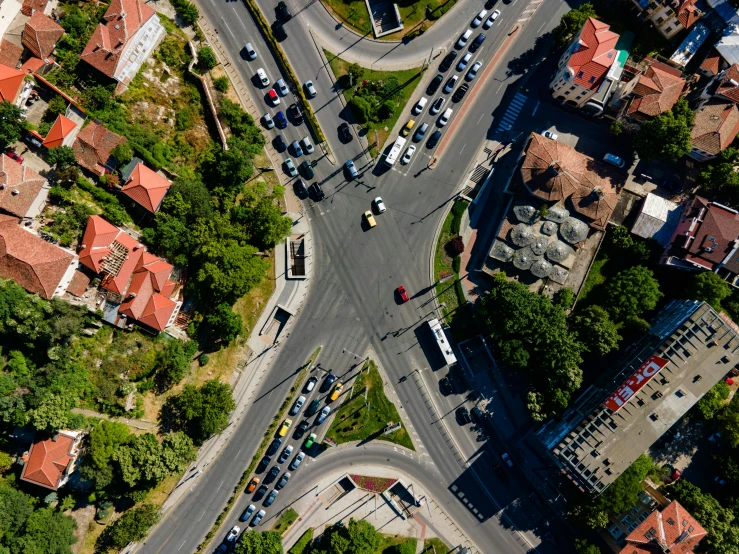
(40, 35)
(137, 281)
(146, 187)
(671, 531)
(669, 16)
(585, 64)
(50, 461)
(62, 133)
(94, 146)
(119, 46)
(653, 92)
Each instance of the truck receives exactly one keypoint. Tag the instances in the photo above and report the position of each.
(395, 151)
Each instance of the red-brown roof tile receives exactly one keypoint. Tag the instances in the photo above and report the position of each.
(48, 460)
(671, 531)
(593, 54)
(19, 186)
(656, 91)
(715, 125)
(687, 13)
(78, 284)
(31, 6)
(59, 131)
(146, 188)
(11, 81)
(10, 53)
(93, 146)
(40, 35)
(711, 63)
(32, 64)
(728, 87)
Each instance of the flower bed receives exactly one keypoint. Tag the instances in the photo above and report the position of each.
(373, 484)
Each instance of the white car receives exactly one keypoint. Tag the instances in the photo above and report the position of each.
(311, 384)
(352, 169)
(324, 414)
(408, 155)
(436, 106)
(478, 18)
(262, 76)
(311, 89)
(250, 52)
(490, 20)
(268, 121)
(418, 108)
(291, 167)
(472, 73)
(297, 405)
(464, 38)
(549, 135)
(380, 205)
(444, 118)
(507, 459)
(308, 145)
(233, 533)
(281, 87)
(297, 461)
(450, 84)
(464, 61)
(258, 518)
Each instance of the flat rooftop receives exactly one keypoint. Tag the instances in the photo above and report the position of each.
(601, 435)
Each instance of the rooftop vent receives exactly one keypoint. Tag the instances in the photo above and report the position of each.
(15, 192)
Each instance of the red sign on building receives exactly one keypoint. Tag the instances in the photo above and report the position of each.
(632, 385)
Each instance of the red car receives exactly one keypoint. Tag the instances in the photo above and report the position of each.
(13, 156)
(401, 292)
(273, 97)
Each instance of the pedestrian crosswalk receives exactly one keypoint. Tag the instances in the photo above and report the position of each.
(510, 115)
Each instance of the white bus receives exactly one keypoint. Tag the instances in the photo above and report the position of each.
(395, 150)
(442, 341)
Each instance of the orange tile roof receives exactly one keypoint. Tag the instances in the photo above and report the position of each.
(48, 460)
(59, 131)
(40, 35)
(687, 14)
(593, 54)
(711, 63)
(29, 260)
(11, 81)
(19, 186)
(10, 53)
(728, 87)
(671, 531)
(656, 91)
(31, 6)
(32, 64)
(93, 146)
(78, 284)
(715, 125)
(122, 19)
(555, 172)
(146, 188)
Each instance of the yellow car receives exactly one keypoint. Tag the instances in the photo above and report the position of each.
(336, 392)
(370, 219)
(285, 427)
(407, 127)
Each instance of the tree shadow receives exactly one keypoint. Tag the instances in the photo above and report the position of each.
(525, 61)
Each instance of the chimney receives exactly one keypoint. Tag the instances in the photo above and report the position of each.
(598, 191)
(55, 437)
(15, 192)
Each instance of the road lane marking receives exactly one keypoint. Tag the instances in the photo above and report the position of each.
(535, 108)
(183, 544)
(465, 144)
(229, 29)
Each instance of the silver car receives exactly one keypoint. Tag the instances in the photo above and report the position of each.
(450, 83)
(297, 461)
(352, 168)
(311, 89)
(250, 52)
(323, 415)
(258, 518)
(297, 405)
(281, 87)
(268, 121)
(308, 145)
(297, 150)
(291, 167)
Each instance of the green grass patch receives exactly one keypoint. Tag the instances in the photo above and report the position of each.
(391, 542)
(595, 276)
(407, 81)
(287, 518)
(302, 544)
(435, 546)
(355, 422)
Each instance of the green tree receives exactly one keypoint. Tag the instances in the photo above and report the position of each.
(11, 124)
(707, 286)
(632, 292)
(360, 108)
(132, 526)
(186, 11)
(720, 180)
(221, 84)
(105, 439)
(229, 270)
(596, 330)
(145, 462)
(564, 298)
(57, 106)
(357, 72)
(514, 354)
(46, 531)
(123, 152)
(232, 167)
(264, 222)
(624, 492)
(571, 23)
(172, 364)
(5, 461)
(51, 414)
(728, 418)
(358, 537)
(666, 136)
(61, 156)
(200, 412)
(584, 547)
(15, 508)
(616, 129)
(264, 542)
(713, 400)
(206, 58)
(224, 324)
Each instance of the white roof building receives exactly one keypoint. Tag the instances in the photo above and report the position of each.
(657, 219)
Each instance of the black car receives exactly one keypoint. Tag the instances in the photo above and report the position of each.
(263, 464)
(300, 189)
(284, 12)
(316, 192)
(477, 415)
(302, 428)
(274, 472)
(447, 62)
(327, 382)
(345, 133)
(279, 143)
(477, 42)
(261, 491)
(434, 85)
(462, 415)
(296, 113)
(274, 446)
(446, 386)
(460, 92)
(306, 170)
(313, 407)
(278, 31)
(433, 139)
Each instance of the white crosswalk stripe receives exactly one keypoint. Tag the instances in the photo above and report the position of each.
(510, 115)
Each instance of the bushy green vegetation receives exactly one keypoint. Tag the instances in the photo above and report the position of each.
(666, 136)
(571, 23)
(303, 543)
(260, 542)
(200, 411)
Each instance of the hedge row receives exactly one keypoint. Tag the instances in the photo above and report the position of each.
(457, 212)
(297, 86)
(303, 542)
(259, 453)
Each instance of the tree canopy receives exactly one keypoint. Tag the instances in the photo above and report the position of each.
(596, 330)
(707, 286)
(200, 412)
(666, 136)
(61, 156)
(357, 537)
(714, 400)
(132, 526)
(720, 180)
(11, 124)
(572, 22)
(264, 542)
(632, 292)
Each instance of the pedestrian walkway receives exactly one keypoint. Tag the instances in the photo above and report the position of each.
(510, 115)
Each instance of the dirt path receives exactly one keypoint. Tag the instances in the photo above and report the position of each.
(135, 423)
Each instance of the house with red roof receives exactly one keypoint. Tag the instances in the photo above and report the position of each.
(673, 530)
(138, 283)
(121, 44)
(23, 192)
(146, 187)
(584, 66)
(11, 84)
(653, 92)
(715, 126)
(669, 17)
(52, 459)
(40, 35)
(62, 133)
(93, 148)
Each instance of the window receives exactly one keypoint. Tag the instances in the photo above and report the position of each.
(632, 526)
(626, 520)
(578, 97)
(659, 20)
(573, 88)
(580, 74)
(592, 79)
(567, 93)
(679, 393)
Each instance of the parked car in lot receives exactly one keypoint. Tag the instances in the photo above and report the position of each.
(450, 84)
(507, 459)
(345, 133)
(421, 132)
(323, 415)
(444, 118)
(263, 463)
(339, 386)
(447, 62)
(311, 384)
(268, 121)
(297, 150)
(281, 120)
(464, 38)
(460, 92)
(310, 440)
(372, 223)
(301, 429)
(327, 382)
(402, 293)
(549, 135)
(379, 205)
(420, 105)
(296, 113)
(291, 167)
(433, 139)
(280, 144)
(446, 386)
(464, 61)
(248, 512)
(490, 20)
(408, 155)
(261, 492)
(407, 127)
(434, 84)
(478, 18)
(479, 39)
(297, 405)
(252, 484)
(233, 533)
(614, 160)
(297, 461)
(352, 169)
(300, 189)
(463, 416)
(472, 73)
(308, 145)
(270, 499)
(273, 473)
(285, 454)
(316, 192)
(285, 427)
(313, 407)
(258, 518)
(306, 170)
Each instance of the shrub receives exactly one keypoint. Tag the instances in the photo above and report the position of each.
(361, 108)
(206, 58)
(221, 84)
(456, 264)
(387, 109)
(186, 11)
(458, 210)
(455, 246)
(204, 359)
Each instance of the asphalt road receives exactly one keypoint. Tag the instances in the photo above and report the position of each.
(351, 305)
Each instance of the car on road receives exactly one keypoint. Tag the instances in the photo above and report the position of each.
(372, 223)
(273, 97)
(327, 382)
(434, 84)
(281, 120)
(308, 145)
(268, 121)
(380, 205)
(444, 118)
(614, 160)
(310, 89)
(306, 170)
(271, 498)
(297, 405)
(300, 189)
(549, 135)
(279, 31)
(316, 192)
(261, 491)
(297, 150)
(339, 386)
(447, 62)
(263, 463)
(250, 52)
(233, 533)
(291, 168)
(477, 415)
(450, 84)
(310, 440)
(283, 480)
(313, 407)
(252, 484)
(297, 461)
(472, 73)
(281, 87)
(464, 37)
(407, 127)
(436, 106)
(352, 169)
(490, 20)
(273, 473)
(283, 11)
(463, 416)
(420, 105)
(402, 293)
(460, 92)
(285, 427)
(433, 139)
(297, 113)
(323, 415)
(279, 143)
(248, 512)
(262, 76)
(446, 386)
(479, 39)
(301, 429)
(285, 454)
(222, 548)
(478, 18)
(464, 61)
(345, 133)
(421, 132)
(408, 155)
(311, 384)
(507, 459)
(258, 518)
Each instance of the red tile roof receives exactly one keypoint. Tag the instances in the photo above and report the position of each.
(93, 147)
(40, 35)
(31, 6)
(19, 186)
(656, 91)
(78, 284)
(48, 460)
(59, 131)
(33, 64)
(711, 63)
(10, 53)
(715, 126)
(29, 260)
(147, 298)
(146, 188)
(555, 172)
(671, 531)
(687, 14)
(11, 81)
(593, 54)
(728, 87)
(122, 19)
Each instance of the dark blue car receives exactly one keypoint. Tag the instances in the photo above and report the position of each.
(280, 144)
(281, 120)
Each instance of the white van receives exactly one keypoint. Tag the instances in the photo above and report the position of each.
(262, 76)
(464, 38)
(614, 160)
(418, 108)
(444, 118)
